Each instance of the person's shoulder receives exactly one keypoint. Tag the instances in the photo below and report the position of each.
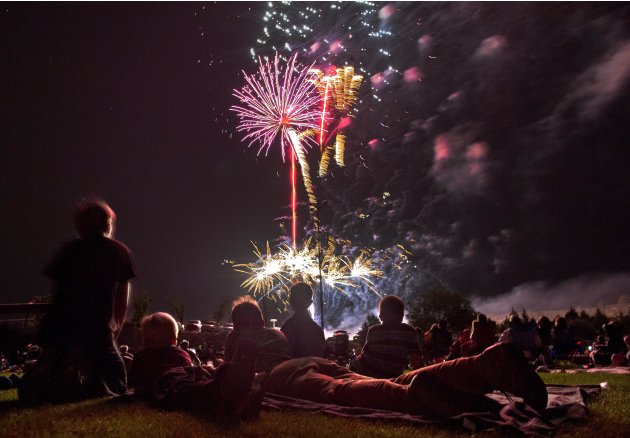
(289, 323)
(118, 245)
(315, 326)
(376, 328)
(166, 349)
(70, 245)
(273, 333)
(144, 354)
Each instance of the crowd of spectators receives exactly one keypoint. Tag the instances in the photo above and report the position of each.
(542, 342)
(399, 367)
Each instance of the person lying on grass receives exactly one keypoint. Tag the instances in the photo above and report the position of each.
(438, 391)
(163, 373)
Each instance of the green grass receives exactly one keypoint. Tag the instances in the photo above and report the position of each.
(106, 418)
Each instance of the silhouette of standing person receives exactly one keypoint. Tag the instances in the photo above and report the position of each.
(91, 277)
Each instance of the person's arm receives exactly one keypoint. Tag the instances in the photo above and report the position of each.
(474, 333)
(121, 301)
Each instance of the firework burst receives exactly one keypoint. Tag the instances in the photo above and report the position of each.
(272, 273)
(341, 88)
(282, 101)
(279, 101)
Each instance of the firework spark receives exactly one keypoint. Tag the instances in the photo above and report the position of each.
(272, 274)
(341, 88)
(280, 100)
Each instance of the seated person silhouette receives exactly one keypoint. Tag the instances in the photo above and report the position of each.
(305, 337)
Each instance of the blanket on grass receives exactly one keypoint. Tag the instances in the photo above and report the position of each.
(565, 403)
(605, 370)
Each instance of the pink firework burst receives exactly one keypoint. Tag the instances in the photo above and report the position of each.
(280, 99)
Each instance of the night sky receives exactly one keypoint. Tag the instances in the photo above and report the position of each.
(121, 101)
(497, 151)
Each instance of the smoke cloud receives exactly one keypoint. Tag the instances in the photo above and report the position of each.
(491, 142)
(584, 291)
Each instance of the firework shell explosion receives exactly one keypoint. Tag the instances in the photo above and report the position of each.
(277, 101)
(282, 101)
(341, 89)
(272, 273)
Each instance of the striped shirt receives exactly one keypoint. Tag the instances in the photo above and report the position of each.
(387, 349)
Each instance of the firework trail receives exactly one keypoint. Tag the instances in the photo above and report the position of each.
(281, 102)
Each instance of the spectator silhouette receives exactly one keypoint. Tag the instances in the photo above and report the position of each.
(600, 354)
(389, 346)
(305, 337)
(438, 341)
(273, 347)
(614, 332)
(523, 335)
(462, 347)
(483, 333)
(185, 345)
(564, 341)
(91, 275)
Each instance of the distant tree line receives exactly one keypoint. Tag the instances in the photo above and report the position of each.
(437, 304)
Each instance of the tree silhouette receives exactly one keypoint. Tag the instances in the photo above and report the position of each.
(178, 309)
(221, 311)
(438, 304)
(140, 304)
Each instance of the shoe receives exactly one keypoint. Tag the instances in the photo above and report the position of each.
(505, 369)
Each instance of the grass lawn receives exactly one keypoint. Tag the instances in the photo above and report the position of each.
(105, 418)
